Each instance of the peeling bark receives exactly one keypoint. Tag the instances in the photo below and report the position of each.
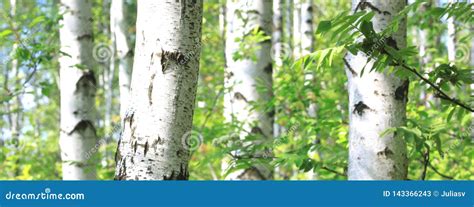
(163, 91)
(377, 102)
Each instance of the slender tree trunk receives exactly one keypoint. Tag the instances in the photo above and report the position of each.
(119, 21)
(243, 76)
(78, 134)
(288, 22)
(307, 31)
(15, 111)
(278, 46)
(307, 46)
(156, 136)
(277, 37)
(425, 57)
(451, 37)
(297, 29)
(307, 43)
(377, 101)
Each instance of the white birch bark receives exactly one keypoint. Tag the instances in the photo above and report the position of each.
(451, 37)
(278, 44)
(288, 22)
(15, 115)
(277, 37)
(307, 30)
(307, 43)
(124, 53)
(157, 124)
(377, 101)
(243, 76)
(78, 134)
(425, 58)
(297, 29)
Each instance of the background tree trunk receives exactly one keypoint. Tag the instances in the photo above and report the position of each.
(425, 57)
(78, 134)
(451, 37)
(307, 31)
(119, 22)
(377, 101)
(157, 126)
(297, 29)
(243, 76)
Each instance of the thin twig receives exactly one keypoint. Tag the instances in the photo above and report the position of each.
(439, 173)
(426, 162)
(333, 171)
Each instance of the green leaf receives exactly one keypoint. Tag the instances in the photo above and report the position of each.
(438, 145)
(367, 29)
(323, 27)
(37, 20)
(5, 33)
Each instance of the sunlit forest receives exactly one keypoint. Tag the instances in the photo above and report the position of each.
(236, 90)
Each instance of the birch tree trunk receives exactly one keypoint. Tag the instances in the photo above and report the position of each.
(156, 136)
(277, 37)
(124, 53)
(297, 29)
(243, 76)
(15, 114)
(77, 81)
(288, 22)
(278, 46)
(451, 37)
(425, 57)
(307, 30)
(307, 43)
(377, 101)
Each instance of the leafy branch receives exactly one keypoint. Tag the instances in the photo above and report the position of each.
(381, 47)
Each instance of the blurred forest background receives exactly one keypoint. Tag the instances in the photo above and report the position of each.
(312, 112)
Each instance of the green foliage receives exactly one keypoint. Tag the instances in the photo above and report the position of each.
(307, 146)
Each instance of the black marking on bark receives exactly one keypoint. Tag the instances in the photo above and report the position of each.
(84, 36)
(386, 152)
(348, 66)
(271, 113)
(150, 89)
(359, 108)
(145, 148)
(402, 91)
(252, 173)
(229, 74)
(363, 5)
(172, 56)
(268, 69)
(182, 174)
(86, 78)
(135, 145)
(82, 126)
(376, 93)
(391, 42)
(240, 96)
(122, 171)
(118, 156)
(256, 130)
